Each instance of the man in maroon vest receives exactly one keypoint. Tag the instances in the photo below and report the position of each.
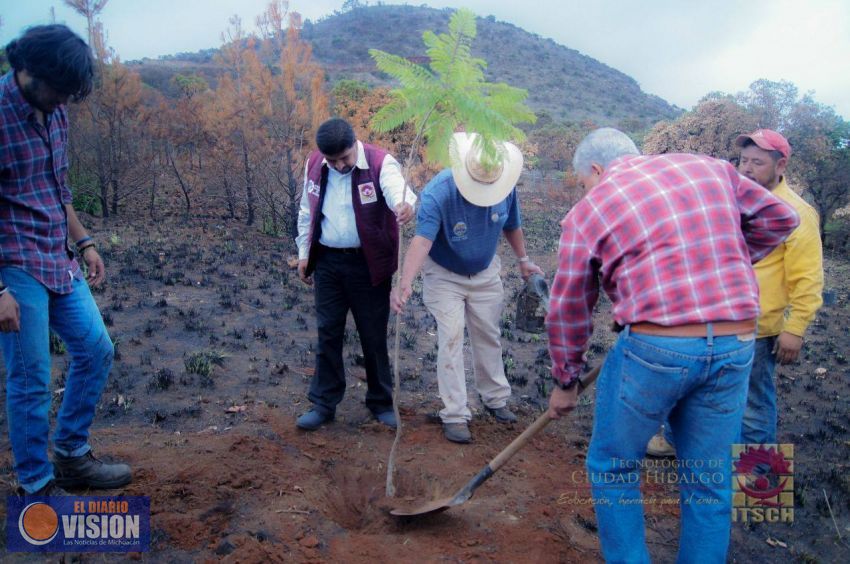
(351, 206)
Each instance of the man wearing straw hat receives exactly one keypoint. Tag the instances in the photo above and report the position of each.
(463, 212)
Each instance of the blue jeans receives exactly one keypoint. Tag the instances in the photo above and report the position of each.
(700, 384)
(77, 321)
(759, 423)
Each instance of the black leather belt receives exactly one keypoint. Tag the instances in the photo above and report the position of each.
(343, 250)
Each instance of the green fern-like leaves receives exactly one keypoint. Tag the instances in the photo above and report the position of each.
(451, 94)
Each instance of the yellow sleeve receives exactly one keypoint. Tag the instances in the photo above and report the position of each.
(803, 273)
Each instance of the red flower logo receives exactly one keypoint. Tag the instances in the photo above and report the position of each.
(762, 474)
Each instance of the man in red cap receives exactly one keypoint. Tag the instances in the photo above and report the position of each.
(790, 277)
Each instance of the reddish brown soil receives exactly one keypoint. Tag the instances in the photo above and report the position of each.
(248, 486)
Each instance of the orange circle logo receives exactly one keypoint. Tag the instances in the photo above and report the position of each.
(38, 523)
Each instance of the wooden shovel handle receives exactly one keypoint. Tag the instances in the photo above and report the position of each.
(537, 426)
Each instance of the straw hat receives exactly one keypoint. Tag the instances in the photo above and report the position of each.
(479, 185)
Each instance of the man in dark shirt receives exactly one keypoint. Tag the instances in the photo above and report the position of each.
(41, 285)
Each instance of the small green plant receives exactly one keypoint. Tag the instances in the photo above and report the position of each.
(271, 227)
(450, 93)
(84, 190)
(87, 203)
(203, 363)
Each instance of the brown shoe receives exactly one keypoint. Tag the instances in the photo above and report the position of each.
(86, 471)
(457, 432)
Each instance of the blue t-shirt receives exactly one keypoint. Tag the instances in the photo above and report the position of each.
(465, 236)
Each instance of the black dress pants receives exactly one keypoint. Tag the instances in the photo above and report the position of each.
(341, 283)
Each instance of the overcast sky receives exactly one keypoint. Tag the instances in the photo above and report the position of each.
(677, 49)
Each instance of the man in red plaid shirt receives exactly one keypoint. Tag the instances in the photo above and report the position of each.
(41, 285)
(671, 239)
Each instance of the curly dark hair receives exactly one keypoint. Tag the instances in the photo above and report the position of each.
(57, 56)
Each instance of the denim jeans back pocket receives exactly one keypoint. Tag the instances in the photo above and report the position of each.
(650, 385)
(729, 391)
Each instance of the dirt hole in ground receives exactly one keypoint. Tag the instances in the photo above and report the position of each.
(355, 498)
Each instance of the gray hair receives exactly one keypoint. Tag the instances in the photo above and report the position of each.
(601, 147)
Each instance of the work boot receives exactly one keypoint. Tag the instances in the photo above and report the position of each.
(49, 489)
(502, 414)
(313, 419)
(659, 447)
(387, 418)
(457, 432)
(86, 471)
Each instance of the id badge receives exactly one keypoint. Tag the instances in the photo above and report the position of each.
(368, 195)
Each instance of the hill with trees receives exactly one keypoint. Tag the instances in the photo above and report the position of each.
(225, 132)
(562, 83)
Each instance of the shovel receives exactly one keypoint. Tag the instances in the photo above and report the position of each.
(466, 491)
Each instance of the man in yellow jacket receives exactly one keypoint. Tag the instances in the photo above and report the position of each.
(790, 278)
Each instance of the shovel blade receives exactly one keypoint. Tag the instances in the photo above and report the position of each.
(432, 507)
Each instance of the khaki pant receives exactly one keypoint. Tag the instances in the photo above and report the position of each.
(476, 300)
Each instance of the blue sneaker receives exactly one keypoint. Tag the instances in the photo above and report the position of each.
(387, 418)
(313, 419)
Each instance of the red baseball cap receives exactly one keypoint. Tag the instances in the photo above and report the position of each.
(766, 139)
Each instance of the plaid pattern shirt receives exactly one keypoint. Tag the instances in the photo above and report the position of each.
(34, 191)
(671, 238)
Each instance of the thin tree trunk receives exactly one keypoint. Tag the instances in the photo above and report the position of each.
(152, 204)
(104, 196)
(102, 182)
(292, 193)
(249, 189)
(183, 186)
(114, 194)
(231, 205)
